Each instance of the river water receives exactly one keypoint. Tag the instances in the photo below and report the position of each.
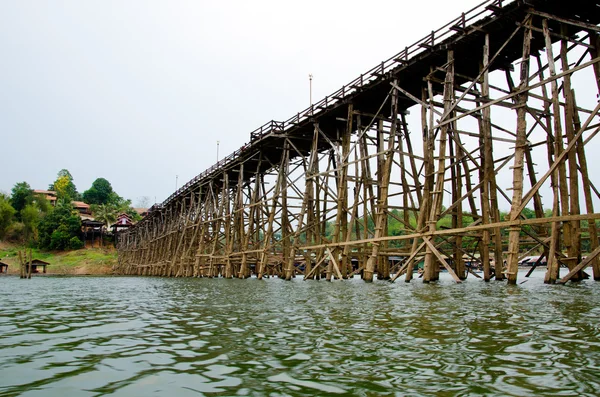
(142, 336)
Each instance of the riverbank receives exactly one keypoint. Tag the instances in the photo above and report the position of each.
(97, 261)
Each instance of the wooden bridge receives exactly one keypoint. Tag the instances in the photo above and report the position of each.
(356, 184)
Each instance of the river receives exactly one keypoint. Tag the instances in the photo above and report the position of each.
(142, 336)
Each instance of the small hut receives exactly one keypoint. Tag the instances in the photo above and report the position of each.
(92, 230)
(36, 264)
(3, 267)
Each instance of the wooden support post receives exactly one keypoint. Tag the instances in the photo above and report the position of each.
(21, 265)
(31, 265)
(431, 267)
(571, 124)
(514, 233)
(425, 202)
(267, 243)
(487, 166)
(381, 215)
(286, 247)
(343, 190)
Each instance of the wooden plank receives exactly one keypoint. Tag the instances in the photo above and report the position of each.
(335, 264)
(580, 266)
(442, 260)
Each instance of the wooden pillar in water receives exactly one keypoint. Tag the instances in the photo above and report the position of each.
(431, 266)
(594, 39)
(425, 201)
(267, 243)
(381, 215)
(341, 219)
(514, 232)
(286, 255)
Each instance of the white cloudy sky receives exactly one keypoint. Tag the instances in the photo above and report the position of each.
(138, 91)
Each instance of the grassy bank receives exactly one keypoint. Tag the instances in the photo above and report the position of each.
(78, 262)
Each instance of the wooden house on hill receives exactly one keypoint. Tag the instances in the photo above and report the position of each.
(3, 267)
(81, 207)
(123, 222)
(50, 195)
(92, 232)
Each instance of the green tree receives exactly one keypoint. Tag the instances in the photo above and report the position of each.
(7, 212)
(59, 226)
(22, 194)
(105, 213)
(31, 216)
(64, 186)
(42, 203)
(101, 192)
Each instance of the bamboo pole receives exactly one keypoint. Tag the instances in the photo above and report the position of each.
(513, 237)
(30, 265)
(21, 265)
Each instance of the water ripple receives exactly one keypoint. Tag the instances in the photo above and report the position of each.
(151, 336)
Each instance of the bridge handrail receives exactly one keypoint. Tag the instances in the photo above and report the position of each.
(478, 12)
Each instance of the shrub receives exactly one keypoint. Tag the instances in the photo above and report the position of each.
(15, 232)
(60, 238)
(75, 243)
(6, 215)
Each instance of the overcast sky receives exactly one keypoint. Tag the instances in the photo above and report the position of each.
(138, 92)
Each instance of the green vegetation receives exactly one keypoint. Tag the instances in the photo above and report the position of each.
(101, 192)
(64, 186)
(21, 196)
(31, 219)
(7, 212)
(60, 227)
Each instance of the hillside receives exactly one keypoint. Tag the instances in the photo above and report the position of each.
(78, 262)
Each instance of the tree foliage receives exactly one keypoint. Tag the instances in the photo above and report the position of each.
(105, 213)
(22, 194)
(101, 192)
(64, 186)
(30, 216)
(7, 212)
(106, 204)
(58, 227)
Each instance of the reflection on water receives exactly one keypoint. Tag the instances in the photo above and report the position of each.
(179, 337)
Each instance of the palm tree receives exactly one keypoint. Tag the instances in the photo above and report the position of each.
(104, 213)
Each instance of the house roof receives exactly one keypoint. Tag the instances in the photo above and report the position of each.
(39, 262)
(80, 204)
(90, 222)
(123, 217)
(48, 192)
(3, 264)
